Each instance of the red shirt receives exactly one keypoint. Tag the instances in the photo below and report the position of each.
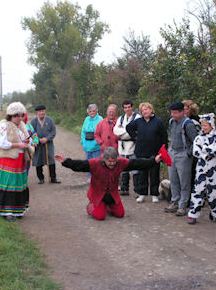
(104, 134)
(105, 180)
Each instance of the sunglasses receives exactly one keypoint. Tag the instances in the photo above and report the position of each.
(19, 115)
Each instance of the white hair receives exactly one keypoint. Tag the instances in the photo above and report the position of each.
(92, 107)
(110, 152)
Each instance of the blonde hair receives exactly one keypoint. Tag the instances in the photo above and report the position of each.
(113, 106)
(193, 107)
(148, 105)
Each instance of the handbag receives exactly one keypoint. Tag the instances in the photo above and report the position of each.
(89, 135)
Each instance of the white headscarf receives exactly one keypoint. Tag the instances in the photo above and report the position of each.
(15, 108)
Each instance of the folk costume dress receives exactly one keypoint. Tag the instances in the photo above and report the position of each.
(14, 193)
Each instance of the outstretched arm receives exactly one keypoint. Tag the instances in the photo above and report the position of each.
(75, 165)
(142, 163)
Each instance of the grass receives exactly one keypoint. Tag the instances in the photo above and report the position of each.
(22, 265)
(72, 122)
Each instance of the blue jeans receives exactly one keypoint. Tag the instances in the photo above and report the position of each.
(93, 154)
(90, 155)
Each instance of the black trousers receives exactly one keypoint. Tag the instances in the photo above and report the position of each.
(148, 177)
(52, 172)
(125, 177)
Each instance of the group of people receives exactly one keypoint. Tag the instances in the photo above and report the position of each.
(135, 135)
(134, 142)
(21, 143)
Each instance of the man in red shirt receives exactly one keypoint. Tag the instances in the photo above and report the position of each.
(103, 191)
(104, 131)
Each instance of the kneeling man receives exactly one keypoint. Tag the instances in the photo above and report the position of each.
(103, 191)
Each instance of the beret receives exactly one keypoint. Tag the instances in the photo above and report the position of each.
(40, 107)
(178, 106)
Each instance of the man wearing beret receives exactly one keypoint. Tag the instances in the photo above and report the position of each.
(182, 134)
(44, 153)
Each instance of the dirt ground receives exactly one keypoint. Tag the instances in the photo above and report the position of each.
(148, 249)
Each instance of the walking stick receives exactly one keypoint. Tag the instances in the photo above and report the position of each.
(47, 162)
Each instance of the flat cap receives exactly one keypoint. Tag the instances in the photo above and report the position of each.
(177, 106)
(40, 107)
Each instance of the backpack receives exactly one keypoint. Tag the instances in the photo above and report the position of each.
(184, 124)
(122, 118)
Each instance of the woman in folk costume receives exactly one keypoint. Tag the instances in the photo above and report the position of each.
(14, 151)
(204, 149)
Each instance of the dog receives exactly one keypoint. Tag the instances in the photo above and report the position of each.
(165, 190)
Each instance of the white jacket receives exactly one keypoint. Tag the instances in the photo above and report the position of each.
(125, 146)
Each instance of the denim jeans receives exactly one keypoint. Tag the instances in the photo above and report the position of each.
(90, 155)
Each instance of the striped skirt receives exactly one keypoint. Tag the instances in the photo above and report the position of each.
(14, 193)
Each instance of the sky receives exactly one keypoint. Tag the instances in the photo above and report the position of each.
(141, 16)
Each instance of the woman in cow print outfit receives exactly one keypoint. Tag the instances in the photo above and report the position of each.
(204, 149)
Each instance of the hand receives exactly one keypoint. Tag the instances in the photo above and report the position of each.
(22, 145)
(60, 157)
(158, 158)
(43, 140)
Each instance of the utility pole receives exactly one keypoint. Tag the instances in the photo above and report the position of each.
(1, 95)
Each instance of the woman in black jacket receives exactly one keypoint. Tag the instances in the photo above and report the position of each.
(150, 135)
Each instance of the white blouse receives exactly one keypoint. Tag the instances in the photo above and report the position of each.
(4, 143)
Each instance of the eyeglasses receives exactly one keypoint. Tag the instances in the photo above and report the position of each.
(19, 115)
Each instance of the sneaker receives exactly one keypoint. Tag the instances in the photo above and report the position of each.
(88, 180)
(155, 199)
(211, 218)
(181, 212)
(140, 198)
(173, 207)
(124, 192)
(191, 221)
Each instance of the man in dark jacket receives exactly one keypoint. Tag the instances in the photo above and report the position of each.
(103, 191)
(150, 135)
(44, 152)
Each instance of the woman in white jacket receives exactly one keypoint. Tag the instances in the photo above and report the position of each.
(204, 149)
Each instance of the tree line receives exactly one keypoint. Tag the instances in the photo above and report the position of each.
(63, 42)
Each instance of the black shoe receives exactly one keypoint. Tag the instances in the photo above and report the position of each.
(41, 181)
(55, 181)
(211, 218)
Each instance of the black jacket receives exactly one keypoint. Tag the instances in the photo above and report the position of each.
(150, 136)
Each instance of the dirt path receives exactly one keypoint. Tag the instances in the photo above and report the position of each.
(146, 250)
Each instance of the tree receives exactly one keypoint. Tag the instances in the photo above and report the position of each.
(62, 45)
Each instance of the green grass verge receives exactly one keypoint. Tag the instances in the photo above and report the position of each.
(22, 266)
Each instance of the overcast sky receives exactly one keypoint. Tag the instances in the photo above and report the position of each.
(146, 16)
